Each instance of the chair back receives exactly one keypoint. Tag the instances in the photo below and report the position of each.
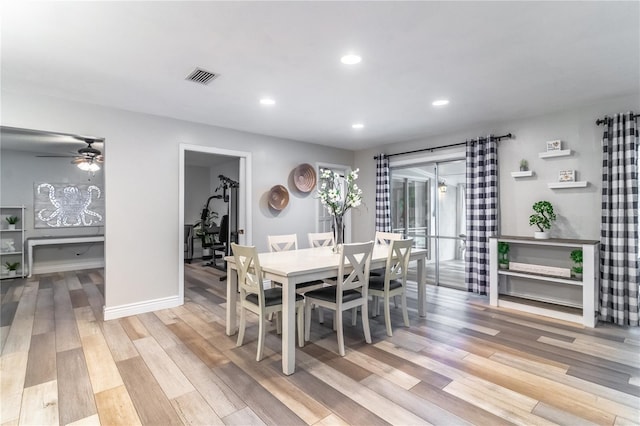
(357, 256)
(282, 242)
(385, 238)
(321, 239)
(398, 261)
(249, 271)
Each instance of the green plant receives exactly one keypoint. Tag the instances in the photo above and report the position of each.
(13, 220)
(503, 253)
(12, 266)
(576, 256)
(524, 164)
(543, 215)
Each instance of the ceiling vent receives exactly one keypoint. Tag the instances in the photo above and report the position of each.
(201, 76)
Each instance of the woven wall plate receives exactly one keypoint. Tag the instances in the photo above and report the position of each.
(278, 197)
(304, 177)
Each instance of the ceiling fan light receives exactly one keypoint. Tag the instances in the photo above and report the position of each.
(93, 167)
(83, 165)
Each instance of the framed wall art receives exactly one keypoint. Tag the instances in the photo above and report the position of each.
(554, 145)
(67, 205)
(567, 176)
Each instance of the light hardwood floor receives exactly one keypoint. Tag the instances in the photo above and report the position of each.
(466, 363)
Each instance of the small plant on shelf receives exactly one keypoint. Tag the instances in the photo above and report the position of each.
(524, 165)
(576, 270)
(12, 267)
(503, 255)
(542, 218)
(13, 220)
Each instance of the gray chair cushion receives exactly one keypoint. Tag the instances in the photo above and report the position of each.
(329, 294)
(272, 296)
(377, 272)
(377, 283)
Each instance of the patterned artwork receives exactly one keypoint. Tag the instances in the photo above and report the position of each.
(66, 205)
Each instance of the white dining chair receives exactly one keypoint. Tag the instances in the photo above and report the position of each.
(350, 291)
(385, 238)
(393, 282)
(321, 239)
(282, 242)
(254, 297)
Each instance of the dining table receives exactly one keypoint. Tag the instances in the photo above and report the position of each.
(298, 266)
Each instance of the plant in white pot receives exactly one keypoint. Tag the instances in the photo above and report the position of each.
(542, 218)
(576, 270)
(12, 268)
(12, 220)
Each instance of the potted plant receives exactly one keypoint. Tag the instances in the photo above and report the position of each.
(576, 270)
(12, 267)
(524, 165)
(503, 255)
(542, 218)
(12, 221)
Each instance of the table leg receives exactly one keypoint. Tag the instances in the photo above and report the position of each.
(422, 288)
(232, 297)
(29, 259)
(288, 326)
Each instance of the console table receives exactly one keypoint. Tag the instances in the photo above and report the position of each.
(48, 241)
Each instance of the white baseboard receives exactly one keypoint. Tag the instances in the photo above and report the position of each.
(49, 268)
(127, 310)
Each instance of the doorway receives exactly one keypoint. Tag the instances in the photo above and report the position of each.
(206, 184)
(428, 205)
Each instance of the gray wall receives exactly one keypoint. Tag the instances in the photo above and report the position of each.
(18, 172)
(578, 209)
(142, 208)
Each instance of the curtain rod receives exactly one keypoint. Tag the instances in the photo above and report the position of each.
(508, 135)
(600, 121)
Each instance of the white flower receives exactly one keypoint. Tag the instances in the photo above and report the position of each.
(339, 193)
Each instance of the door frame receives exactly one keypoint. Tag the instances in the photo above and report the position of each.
(244, 199)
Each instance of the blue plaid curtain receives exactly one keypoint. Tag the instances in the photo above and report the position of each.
(383, 205)
(619, 225)
(482, 210)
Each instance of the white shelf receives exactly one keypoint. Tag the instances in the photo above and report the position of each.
(17, 235)
(7, 253)
(11, 230)
(527, 173)
(551, 154)
(562, 185)
(550, 278)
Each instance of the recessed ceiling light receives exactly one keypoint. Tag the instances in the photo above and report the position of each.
(267, 101)
(350, 59)
(357, 126)
(440, 102)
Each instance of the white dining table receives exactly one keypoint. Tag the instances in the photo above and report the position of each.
(298, 266)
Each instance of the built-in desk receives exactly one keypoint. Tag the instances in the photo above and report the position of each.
(49, 241)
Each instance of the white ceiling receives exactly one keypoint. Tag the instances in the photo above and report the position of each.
(495, 61)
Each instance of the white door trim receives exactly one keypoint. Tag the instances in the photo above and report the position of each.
(244, 194)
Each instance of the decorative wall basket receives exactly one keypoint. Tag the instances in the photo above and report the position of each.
(304, 177)
(278, 197)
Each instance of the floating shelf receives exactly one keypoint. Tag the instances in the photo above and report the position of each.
(528, 173)
(550, 154)
(562, 185)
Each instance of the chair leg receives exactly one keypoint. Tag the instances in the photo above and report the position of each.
(376, 306)
(261, 336)
(300, 319)
(365, 322)
(243, 325)
(339, 330)
(334, 321)
(354, 316)
(405, 312)
(387, 314)
(320, 314)
(279, 322)
(395, 301)
(307, 320)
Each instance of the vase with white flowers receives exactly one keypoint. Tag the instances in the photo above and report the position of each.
(338, 194)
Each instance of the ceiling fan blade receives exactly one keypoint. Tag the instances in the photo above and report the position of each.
(56, 156)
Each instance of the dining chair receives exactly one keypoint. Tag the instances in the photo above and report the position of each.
(349, 292)
(393, 282)
(282, 242)
(321, 239)
(254, 297)
(385, 238)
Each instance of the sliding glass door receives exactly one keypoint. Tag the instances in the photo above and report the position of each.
(427, 204)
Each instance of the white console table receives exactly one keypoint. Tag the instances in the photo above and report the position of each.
(48, 241)
(589, 284)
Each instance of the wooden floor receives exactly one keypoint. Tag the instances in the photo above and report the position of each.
(466, 363)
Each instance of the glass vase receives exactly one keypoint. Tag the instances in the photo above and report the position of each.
(338, 233)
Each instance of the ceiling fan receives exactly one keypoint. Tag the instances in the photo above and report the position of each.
(87, 158)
